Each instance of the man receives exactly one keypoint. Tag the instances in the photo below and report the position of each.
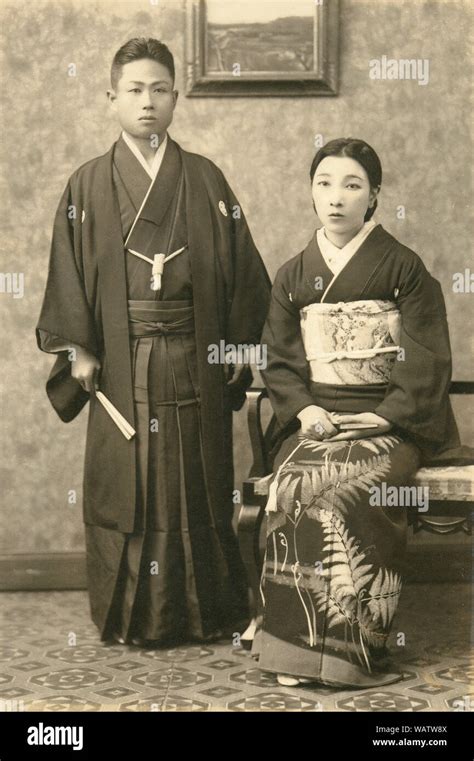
(151, 264)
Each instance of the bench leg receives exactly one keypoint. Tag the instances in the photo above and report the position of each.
(459, 514)
(248, 532)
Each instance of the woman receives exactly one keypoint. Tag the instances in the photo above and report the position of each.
(358, 352)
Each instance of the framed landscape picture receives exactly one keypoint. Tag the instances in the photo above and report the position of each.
(269, 47)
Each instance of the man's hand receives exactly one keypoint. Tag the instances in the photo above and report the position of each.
(238, 370)
(316, 423)
(85, 369)
(362, 418)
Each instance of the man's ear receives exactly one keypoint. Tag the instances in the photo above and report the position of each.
(175, 97)
(112, 97)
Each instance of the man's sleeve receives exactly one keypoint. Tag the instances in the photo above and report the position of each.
(250, 295)
(251, 283)
(65, 317)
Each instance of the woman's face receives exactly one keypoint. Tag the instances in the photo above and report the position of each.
(342, 195)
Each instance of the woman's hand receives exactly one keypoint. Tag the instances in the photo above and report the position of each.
(316, 423)
(85, 369)
(362, 418)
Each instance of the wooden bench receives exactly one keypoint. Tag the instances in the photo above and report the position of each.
(451, 489)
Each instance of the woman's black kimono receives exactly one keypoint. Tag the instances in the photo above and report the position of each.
(331, 579)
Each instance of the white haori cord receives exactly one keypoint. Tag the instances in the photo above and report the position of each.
(157, 265)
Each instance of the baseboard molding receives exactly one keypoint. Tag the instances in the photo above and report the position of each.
(45, 570)
(438, 563)
(67, 570)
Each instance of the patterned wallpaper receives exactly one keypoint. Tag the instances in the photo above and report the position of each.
(55, 122)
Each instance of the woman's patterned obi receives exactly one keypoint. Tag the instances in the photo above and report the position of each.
(351, 343)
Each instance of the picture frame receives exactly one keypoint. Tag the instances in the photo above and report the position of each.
(282, 48)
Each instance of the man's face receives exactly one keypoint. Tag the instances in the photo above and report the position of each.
(144, 98)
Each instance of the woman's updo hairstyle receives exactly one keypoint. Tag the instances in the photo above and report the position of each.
(358, 150)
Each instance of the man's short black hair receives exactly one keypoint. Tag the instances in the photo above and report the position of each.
(136, 49)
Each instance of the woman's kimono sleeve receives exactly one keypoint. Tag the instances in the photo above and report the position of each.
(417, 397)
(65, 317)
(287, 374)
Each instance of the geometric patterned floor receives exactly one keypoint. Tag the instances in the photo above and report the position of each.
(51, 659)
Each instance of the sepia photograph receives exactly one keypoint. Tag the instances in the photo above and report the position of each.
(237, 396)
